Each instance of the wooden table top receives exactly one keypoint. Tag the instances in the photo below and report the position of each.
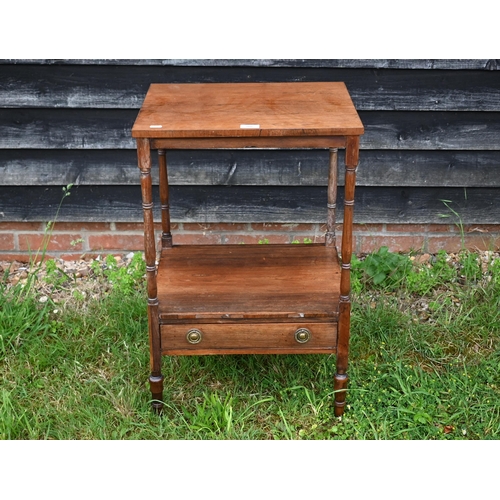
(198, 110)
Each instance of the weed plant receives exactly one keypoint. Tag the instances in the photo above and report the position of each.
(424, 363)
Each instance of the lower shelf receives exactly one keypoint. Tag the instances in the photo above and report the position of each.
(248, 338)
(248, 281)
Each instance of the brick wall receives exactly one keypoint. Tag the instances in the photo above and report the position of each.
(71, 240)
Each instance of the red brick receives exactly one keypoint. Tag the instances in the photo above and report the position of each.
(316, 238)
(368, 244)
(7, 241)
(58, 242)
(214, 227)
(251, 239)
(122, 242)
(454, 228)
(366, 228)
(209, 238)
(133, 226)
(440, 228)
(83, 226)
(472, 241)
(271, 226)
(447, 243)
(406, 228)
(22, 226)
(16, 256)
(482, 228)
(27, 257)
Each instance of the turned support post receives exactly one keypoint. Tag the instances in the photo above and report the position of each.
(341, 378)
(330, 240)
(156, 378)
(166, 235)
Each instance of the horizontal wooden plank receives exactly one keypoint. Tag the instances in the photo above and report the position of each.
(124, 87)
(486, 64)
(431, 130)
(66, 129)
(252, 204)
(271, 168)
(110, 129)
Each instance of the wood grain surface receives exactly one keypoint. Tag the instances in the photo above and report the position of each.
(247, 109)
(289, 282)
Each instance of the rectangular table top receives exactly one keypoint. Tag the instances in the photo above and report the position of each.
(210, 110)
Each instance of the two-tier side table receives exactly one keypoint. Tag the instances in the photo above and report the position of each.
(248, 299)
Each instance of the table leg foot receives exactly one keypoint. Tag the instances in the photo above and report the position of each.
(156, 386)
(340, 387)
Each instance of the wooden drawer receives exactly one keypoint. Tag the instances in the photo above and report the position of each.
(248, 338)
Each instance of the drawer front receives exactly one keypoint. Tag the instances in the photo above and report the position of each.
(249, 338)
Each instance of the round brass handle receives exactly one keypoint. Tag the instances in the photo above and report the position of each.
(193, 336)
(302, 335)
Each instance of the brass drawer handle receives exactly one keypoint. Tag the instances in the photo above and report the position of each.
(194, 336)
(302, 335)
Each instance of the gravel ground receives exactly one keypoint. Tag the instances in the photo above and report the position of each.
(58, 278)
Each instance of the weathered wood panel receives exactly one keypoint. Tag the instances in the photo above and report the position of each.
(271, 168)
(124, 87)
(252, 204)
(432, 128)
(457, 64)
(110, 129)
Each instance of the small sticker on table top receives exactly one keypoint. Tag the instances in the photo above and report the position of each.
(155, 126)
(249, 125)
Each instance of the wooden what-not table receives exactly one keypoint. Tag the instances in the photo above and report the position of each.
(248, 299)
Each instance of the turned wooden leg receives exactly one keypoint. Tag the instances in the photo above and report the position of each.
(156, 378)
(341, 378)
(166, 235)
(332, 199)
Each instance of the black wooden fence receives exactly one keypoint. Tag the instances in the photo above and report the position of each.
(432, 134)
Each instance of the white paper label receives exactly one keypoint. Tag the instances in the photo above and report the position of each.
(155, 126)
(249, 125)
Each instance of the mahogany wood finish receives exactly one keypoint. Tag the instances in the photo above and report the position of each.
(248, 299)
(332, 199)
(156, 378)
(249, 338)
(166, 235)
(248, 282)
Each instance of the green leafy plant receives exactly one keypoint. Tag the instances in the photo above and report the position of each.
(424, 278)
(356, 274)
(385, 268)
(458, 222)
(123, 279)
(49, 228)
(36, 259)
(470, 264)
(212, 416)
(54, 275)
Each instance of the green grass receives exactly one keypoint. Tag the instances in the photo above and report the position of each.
(424, 364)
